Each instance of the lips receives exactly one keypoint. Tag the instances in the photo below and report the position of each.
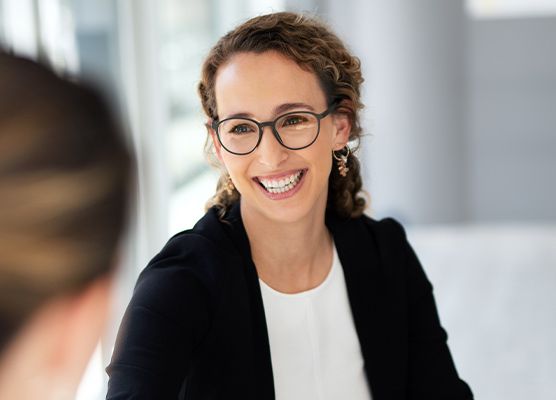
(280, 183)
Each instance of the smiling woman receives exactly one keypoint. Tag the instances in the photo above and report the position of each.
(284, 289)
(243, 89)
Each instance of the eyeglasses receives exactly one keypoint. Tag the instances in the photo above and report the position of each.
(294, 130)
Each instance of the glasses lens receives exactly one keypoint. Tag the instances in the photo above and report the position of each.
(298, 129)
(238, 135)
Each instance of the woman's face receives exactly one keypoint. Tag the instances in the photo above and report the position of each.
(274, 182)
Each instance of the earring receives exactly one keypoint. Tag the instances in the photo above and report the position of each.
(229, 186)
(341, 159)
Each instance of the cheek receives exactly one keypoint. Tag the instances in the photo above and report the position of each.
(236, 166)
(320, 156)
(325, 157)
(326, 135)
(325, 143)
(326, 165)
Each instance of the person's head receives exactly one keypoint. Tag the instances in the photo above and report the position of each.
(64, 182)
(266, 67)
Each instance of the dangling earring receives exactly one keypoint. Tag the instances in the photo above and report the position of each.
(342, 158)
(229, 186)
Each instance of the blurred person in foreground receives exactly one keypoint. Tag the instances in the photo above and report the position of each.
(284, 289)
(64, 182)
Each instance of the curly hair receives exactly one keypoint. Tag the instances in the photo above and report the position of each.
(314, 47)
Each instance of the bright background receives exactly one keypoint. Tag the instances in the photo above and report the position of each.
(460, 147)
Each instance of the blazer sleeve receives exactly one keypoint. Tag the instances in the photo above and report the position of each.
(166, 319)
(432, 373)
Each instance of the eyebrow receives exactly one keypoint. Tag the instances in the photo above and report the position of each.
(281, 109)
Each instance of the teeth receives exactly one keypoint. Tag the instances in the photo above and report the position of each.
(282, 185)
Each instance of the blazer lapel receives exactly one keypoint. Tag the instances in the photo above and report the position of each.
(360, 259)
(264, 380)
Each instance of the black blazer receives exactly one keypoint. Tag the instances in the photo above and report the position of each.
(195, 327)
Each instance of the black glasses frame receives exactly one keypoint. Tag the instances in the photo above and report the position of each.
(261, 125)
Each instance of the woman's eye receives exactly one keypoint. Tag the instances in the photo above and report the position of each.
(241, 129)
(294, 120)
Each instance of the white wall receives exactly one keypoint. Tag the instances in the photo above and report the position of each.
(511, 119)
(412, 61)
(461, 113)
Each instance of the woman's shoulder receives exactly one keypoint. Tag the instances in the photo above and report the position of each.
(201, 254)
(389, 236)
(384, 230)
(387, 227)
(180, 288)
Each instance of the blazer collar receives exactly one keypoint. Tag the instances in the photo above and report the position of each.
(359, 255)
(264, 380)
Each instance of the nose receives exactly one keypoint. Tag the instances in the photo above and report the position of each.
(270, 152)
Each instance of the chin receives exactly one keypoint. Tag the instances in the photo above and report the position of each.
(292, 211)
(288, 214)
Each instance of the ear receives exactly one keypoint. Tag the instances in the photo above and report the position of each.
(342, 124)
(214, 138)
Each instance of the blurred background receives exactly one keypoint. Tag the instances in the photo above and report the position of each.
(460, 146)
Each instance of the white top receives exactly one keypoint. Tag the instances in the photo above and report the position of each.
(313, 344)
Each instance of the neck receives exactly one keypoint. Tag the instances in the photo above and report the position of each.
(289, 256)
(27, 367)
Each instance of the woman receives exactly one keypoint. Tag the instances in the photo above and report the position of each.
(284, 289)
(64, 179)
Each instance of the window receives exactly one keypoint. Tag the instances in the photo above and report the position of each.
(187, 31)
(510, 8)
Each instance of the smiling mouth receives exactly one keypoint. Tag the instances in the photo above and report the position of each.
(282, 185)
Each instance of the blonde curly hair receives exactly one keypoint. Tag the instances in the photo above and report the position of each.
(314, 47)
